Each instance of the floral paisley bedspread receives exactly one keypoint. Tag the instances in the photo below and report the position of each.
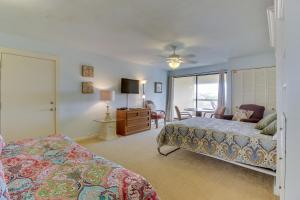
(57, 168)
(224, 139)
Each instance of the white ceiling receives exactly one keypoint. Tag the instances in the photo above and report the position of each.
(138, 31)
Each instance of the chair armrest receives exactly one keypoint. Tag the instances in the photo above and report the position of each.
(227, 117)
(250, 120)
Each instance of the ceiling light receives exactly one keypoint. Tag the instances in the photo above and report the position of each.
(174, 63)
(174, 60)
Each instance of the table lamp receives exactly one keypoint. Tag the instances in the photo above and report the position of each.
(144, 96)
(107, 96)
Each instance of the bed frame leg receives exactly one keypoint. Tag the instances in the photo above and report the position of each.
(166, 154)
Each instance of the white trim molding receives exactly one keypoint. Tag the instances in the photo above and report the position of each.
(279, 9)
(271, 23)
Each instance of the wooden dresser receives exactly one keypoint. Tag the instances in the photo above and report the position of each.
(133, 121)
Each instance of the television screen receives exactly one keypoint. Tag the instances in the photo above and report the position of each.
(129, 86)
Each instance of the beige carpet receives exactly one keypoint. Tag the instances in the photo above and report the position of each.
(184, 175)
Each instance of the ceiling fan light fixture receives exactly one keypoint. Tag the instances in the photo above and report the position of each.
(174, 63)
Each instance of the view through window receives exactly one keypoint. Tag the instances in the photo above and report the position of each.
(197, 93)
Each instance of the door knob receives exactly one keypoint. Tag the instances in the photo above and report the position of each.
(51, 102)
(51, 109)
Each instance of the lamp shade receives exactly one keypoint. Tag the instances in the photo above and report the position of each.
(107, 95)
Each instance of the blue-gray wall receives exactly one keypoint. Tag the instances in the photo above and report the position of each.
(77, 111)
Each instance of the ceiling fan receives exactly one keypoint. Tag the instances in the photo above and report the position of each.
(174, 60)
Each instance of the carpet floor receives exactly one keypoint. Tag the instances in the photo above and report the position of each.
(183, 175)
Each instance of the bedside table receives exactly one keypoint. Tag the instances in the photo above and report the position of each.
(107, 130)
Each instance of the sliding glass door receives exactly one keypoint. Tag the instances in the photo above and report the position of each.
(207, 92)
(197, 93)
(185, 92)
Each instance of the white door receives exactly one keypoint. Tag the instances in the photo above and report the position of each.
(27, 96)
(254, 86)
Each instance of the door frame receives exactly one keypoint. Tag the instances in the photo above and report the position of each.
(56, 74)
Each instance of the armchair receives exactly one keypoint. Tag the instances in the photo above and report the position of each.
(256, 117)
(182, 115)
(155, 114)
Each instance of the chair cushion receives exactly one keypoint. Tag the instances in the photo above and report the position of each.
(242, 114)
(157, 115)
(263, 123)
(271, 129)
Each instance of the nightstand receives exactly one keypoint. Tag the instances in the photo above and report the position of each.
(107, 130)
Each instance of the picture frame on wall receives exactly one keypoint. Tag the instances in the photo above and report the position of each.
(87, 87)
(158, 87)
(87, 71)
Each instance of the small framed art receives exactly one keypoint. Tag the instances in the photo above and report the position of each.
(87, 71)
(158, 87)
(87, 87)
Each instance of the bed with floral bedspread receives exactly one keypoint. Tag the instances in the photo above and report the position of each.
(228, 140)
(55, 167)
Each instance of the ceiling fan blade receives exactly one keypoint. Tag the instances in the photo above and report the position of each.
(191, 61)
(189, 56)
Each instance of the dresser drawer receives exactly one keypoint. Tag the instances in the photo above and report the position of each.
(132, 114)
(139, 127)
(137, 120)
(144, 113)
(133, 121)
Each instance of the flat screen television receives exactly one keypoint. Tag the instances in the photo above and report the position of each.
(129, 86)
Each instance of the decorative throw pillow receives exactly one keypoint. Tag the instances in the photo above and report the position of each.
(271, 129)
(242, 114)
(264, 122)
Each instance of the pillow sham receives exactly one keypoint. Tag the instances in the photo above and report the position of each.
(271, 129)
(264, 122)
(242, 114)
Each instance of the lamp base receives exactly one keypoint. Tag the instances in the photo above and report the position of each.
(108, 117)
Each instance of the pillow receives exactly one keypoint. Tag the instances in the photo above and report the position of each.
(264, 122)
(242, 114)
(271, 129)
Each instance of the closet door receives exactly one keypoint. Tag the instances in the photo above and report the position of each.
(254, 86)
(248, 91)
(271, 89)
(27, 96)
(260, 86)
(237, 89)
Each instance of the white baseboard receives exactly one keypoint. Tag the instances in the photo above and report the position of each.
(79, 139)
